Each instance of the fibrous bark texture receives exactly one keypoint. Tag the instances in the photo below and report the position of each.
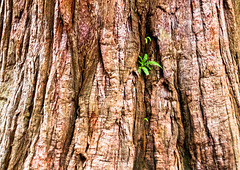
(71, 96)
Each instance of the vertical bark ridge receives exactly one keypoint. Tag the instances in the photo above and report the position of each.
(29, 60)
(235, 48)
(228, 23)
(114, 123)
(6, 29)
(165, 125)
(59, 103)
(1, 18)
(237, 34)
(211, 79)
(19, 105)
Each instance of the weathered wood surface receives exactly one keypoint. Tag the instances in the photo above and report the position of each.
(71, 97)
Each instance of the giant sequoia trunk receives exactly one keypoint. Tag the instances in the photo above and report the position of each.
(71, 96)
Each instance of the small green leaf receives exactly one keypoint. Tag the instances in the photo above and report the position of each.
(146, 39)
(149, 38)
(145, 58)
(153, 63)
(139, 70)
(146, 119)
(140, 57)
(145, 70)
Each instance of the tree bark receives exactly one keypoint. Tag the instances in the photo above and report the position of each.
(71, 96)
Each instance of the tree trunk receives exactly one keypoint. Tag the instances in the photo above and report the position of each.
(71, 96)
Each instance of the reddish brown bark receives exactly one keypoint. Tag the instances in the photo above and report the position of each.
(71, 96)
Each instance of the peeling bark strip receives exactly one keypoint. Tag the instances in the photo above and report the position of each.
(71, 97)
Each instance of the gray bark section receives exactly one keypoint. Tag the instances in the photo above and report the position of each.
(71, 96)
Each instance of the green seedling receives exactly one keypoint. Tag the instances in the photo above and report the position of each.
(146, 119)
(145, 65)
(146, 39)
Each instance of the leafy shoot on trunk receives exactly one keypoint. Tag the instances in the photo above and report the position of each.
(145, 65)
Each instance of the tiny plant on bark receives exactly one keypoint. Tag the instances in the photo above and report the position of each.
(144, 64)
(146, 39)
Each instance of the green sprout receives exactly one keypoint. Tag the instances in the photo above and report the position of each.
(146, 119)
(146, 39)
(145, 64)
